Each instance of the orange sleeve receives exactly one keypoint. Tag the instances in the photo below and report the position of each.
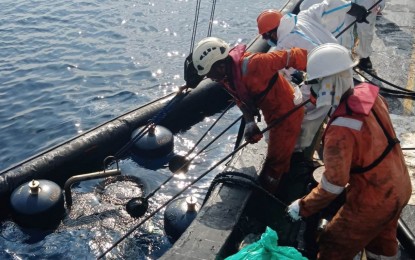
(271, 62)
(338, 152)
(298, 59)
(315, 201)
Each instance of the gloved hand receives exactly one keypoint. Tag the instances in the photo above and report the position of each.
(252, 133)
(359, 12)
(293, 210)
(297, 77)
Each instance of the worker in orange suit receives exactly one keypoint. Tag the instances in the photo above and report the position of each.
(362, 158)
(254, 82)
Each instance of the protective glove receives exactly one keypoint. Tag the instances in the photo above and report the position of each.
(359, 12)
(252, 133)
(293, 210)
(297, 77)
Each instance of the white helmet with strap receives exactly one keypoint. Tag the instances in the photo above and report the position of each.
(207, 52)
(328, 59)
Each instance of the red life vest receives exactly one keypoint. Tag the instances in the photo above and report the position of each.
(240, 93)
(361, 102)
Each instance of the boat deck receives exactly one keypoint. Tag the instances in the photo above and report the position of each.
(394, 50)
(394, 60)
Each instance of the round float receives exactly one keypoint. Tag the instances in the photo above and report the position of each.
(38, 204)
(156, 142)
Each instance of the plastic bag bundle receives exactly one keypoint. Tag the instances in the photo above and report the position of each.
(267, 248)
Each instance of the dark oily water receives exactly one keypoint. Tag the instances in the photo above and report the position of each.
(67, 66)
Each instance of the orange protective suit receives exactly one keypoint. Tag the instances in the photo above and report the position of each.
(261, 67)
(375, 198)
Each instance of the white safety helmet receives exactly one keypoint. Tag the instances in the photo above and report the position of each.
(328, 59)
(207, 52)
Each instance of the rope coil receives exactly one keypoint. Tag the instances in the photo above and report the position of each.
(228, 177)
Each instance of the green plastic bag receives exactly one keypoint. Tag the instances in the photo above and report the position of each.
(267, 249)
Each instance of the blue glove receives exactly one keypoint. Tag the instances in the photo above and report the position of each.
(297, 77)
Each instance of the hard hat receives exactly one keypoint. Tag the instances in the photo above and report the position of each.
(268, 20)
(207, 52)
(328, 59)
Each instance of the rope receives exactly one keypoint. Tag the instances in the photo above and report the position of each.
(212, 15)
(250, 182)
(195, 22)
(240, 135)
(384, 81)
(390, 92)
(397, 95)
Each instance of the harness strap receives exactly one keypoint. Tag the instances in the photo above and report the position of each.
(391, 143)
(259, 97)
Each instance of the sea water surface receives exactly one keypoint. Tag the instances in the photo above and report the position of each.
(68, 66)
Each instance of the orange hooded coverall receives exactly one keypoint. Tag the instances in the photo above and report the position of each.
(260, 68)
(374, 198)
